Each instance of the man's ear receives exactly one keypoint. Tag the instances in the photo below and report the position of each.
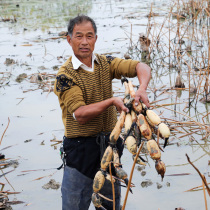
(96, 37)
(69, 39)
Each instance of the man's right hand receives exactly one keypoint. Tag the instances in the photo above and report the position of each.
(86, 113)
(118, 103)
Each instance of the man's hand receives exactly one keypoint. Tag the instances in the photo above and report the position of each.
(118, 103)
(141, 95)
(86, 113)
(143, 73)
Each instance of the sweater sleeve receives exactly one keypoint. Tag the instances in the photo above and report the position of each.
(73, 99)
(68, 93)
(123, 67)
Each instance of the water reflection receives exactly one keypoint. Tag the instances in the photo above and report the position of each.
(39, 14)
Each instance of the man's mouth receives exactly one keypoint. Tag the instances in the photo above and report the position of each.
(84, 49)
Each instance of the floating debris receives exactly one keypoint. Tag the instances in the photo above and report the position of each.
(52, 184)
(6, 163)
(4, 202)
(63, 33)
(179, 83)
(144, 43)
(39, 77)
(11, 20)
(168, 184)
(153, 14)
(42, 68)
(2, 156)
(193, 89)
(146, 183)
(35, 78)
(21, 77)
(29, 55)
(205, 99)
(42, 143)
(9, 61)
(126, 56)
(55, 68)
(143, 173)
(140, 168)
(28, 140)
(13, 163)
(159, 185)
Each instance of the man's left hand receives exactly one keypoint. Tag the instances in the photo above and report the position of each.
(141, 95)
(144, 74)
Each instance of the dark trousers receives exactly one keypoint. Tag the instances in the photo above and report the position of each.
(77, 190)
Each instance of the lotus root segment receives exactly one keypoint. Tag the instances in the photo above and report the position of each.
(138, 161)
(154, 119)
(96, 200)
(127, 91)
(116, 158)
(107, 157)
(164, 130)
(117, 129)
(153, 149)
(98, 181)
(109, 178)
(128, 123)
(131, 144)
(144, 127)
(137, 134)
(121, 173)
(133, 116)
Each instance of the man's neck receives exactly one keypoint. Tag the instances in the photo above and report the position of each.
(86, 61)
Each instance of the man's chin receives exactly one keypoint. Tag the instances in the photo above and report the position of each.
(86, 55)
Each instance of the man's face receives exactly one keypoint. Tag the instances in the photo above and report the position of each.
(83, 40)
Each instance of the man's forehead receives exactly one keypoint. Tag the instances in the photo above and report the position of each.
(84, 26)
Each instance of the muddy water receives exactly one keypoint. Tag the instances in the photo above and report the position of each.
(35, 116)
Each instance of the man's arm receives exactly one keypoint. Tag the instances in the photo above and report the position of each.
(86, 113)
(144, 74)
(119, 67)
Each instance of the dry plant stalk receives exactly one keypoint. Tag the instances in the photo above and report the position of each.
(201, 175)
(203, 126)
(105, 197)
(5, 130)
(45, 176)
(131, 174)
(8, 192)
(113, 191)
(7, 179)
(195, 188)
(190, 26)
(204, 192)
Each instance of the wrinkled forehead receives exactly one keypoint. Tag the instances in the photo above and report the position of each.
(84, 27)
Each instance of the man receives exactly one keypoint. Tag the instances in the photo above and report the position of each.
(84, 89)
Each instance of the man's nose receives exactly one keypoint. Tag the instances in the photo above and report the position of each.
(84, 40)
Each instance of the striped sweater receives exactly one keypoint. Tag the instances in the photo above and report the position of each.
(76, 88)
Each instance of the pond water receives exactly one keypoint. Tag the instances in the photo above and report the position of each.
(29, 35)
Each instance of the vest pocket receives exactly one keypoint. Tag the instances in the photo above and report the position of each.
(72, 148)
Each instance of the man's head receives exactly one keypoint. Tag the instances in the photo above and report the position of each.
(80, 19)
(82, 36)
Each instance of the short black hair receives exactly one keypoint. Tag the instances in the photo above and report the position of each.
(80, 19)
